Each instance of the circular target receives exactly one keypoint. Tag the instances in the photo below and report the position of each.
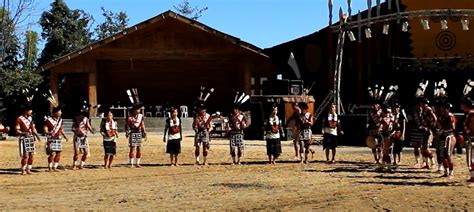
(446, 40)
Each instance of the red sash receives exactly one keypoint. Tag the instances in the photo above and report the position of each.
(55, 125)
(136, 122)
(26, 124)
(203, 121)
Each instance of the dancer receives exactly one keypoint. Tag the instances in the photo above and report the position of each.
(53, 128)
(467, 105)
(81, 127)
(135, 132)
(331, 131)
(399, 127)
(108, 130)
(295, 122)
(306, 133)
(237, 124)
(173, 136)
(273, 136)
(446, 127)
(26, 130)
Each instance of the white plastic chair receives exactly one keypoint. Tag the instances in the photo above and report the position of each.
(184, 111)
(149, 112)
(158, 112)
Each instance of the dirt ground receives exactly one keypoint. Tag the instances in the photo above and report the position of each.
(350, 184)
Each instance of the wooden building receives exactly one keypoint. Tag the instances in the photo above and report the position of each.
(167, 58)
(403, 58)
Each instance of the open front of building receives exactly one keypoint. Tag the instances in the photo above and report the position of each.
(167, 58)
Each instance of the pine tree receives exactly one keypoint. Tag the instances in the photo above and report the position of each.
(114, 23)
(64, 30)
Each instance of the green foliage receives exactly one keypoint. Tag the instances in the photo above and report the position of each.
(64, 30)
(13, 81)
(9, 43)
(30, 51)
(187, 10)
(114, 23)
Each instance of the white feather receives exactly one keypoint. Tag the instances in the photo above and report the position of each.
(245, 99)
(241, 97)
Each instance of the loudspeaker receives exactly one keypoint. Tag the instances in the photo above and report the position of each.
(295, 87)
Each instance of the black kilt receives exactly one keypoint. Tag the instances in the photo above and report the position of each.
(329, 141)
(274, 147)
(173, 146)
(110, 147)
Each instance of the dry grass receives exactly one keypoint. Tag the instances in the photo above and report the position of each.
(350, 184)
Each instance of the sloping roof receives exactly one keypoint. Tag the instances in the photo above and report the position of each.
(144, 24)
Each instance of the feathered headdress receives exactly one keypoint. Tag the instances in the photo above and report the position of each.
(29, 97)
(86, 106)
(376, 93)
(420, 92)
(440, 94)
(202, 99)
(468, 93)
(390, 97)
(134, 98)
(240, 99)
(50, 97)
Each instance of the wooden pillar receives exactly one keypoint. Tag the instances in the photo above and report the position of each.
(53, 84)
(247, 74)
(92, 87)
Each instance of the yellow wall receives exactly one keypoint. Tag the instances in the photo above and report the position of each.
(436, 41)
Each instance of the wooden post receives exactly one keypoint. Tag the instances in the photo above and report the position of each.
(92, 88)
(53, 84)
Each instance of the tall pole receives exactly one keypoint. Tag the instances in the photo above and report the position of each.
(338, 66)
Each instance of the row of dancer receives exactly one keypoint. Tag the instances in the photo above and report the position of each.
(435, 124)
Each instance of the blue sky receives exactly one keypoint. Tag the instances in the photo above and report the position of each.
(264, 23)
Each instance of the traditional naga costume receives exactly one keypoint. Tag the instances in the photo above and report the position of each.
(173, 131)
(426, 122)
(201, 125)
(445, 141)
(25, 128)
(53, 128)
(468, 108)
(237, 124)
(135, 128)
(81, 128)
(108, 130)
(305, 131)
(374, 137)
(272, 136)
(399, 128)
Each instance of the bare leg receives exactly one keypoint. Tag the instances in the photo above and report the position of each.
(295, 144)
(306, 151)
(333, 155)
(327, 154)
(139, 156)
(111, 158)
(106, 159)
(176, 160)
(131, 156)
(205, 147)
(196, 154)
(301, 150)
(24, 159)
